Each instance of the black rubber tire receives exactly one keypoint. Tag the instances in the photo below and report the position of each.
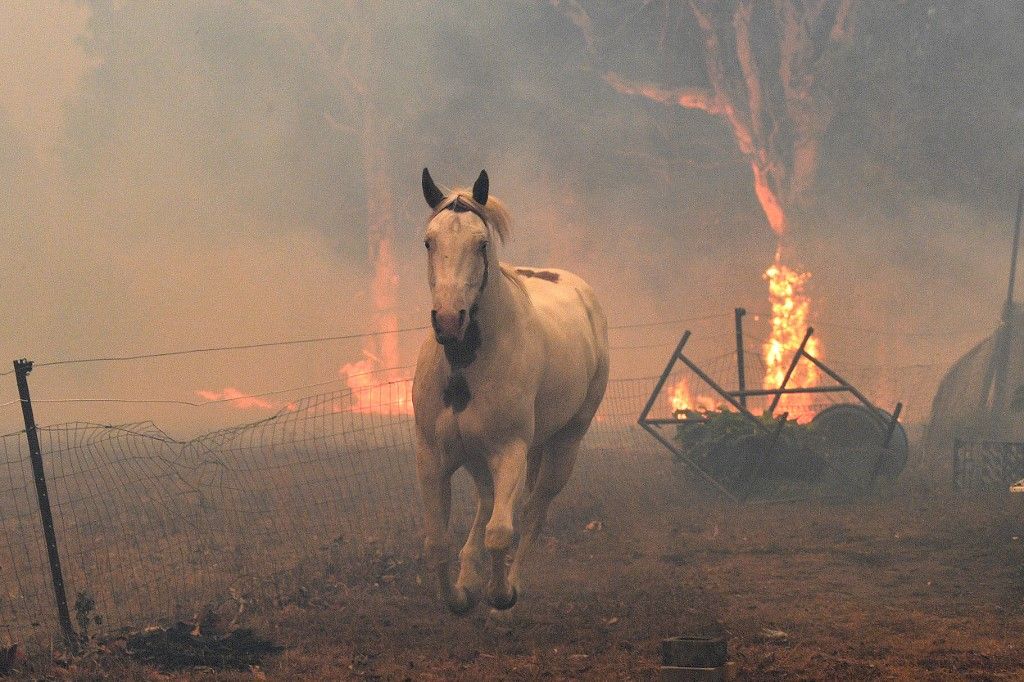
(852, 426)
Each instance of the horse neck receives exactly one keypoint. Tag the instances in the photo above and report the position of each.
(498, 304)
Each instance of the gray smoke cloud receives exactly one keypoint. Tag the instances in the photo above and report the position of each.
(172, 178)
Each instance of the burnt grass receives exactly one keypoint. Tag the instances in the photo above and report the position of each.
(180, 647)
(905, 584)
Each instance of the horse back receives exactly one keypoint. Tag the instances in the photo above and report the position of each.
(575, 332)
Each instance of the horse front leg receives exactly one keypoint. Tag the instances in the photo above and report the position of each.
(435, 477)
(472, 568)
(508, 469)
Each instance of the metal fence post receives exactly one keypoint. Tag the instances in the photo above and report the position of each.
(740, 360)
(21, 370)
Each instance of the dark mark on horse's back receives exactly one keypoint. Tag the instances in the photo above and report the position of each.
(456, 394)
(545, 275)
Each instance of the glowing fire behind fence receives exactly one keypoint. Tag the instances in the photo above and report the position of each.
(681, 399)
(377, 390)
(243, 401)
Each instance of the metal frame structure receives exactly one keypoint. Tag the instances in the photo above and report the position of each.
(738, 400)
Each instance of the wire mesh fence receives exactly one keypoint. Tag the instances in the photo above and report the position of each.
(152, 529)
(989, 466)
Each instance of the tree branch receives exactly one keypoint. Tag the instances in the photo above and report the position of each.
(719, 81)
(842, 30)
(688, 98)
(789, 45)
(575, 13)
(751, 77)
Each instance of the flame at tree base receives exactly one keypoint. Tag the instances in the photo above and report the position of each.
(376, 389)
(790, 314)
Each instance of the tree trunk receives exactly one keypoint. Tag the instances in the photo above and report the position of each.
(380, 216)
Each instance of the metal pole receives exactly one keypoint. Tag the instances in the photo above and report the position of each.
(892, 424)
(21, 370)
(650, 425)
(740, 369)
(663, 378)
(885, 444)
(689, 460)
(995, 376)
(785, 391)
(789, 372)
(1008, 308)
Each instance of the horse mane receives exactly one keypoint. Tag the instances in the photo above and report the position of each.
(494, 212)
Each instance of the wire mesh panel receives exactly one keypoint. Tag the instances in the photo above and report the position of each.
(987, 465)
(129, 527)
(27, 605)
(616, 447)
(323, 471)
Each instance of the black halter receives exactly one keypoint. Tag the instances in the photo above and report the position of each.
(460, 205)
(462, 353)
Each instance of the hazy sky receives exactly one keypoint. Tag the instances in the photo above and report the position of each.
(170, 178)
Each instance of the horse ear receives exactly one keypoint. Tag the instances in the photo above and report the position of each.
(480, 188)
(431, 193)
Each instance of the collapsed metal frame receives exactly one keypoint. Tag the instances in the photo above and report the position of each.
(738, 400)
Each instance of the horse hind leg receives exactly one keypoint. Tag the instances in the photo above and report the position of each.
(555, 467)
(533, 459)
(553, 473)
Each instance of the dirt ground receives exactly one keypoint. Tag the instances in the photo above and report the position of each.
(908, 584)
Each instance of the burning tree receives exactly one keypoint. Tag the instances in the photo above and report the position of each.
(766, 75)
(337, 40)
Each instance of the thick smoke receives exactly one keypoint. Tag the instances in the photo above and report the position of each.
(171, 178)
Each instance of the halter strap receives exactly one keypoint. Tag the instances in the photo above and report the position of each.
(460, 205)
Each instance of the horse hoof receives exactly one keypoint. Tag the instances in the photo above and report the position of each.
(463, 602)
(504, 603)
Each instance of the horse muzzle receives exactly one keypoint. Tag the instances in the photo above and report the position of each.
(449, 327)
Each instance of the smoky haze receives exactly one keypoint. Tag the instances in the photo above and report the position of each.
(180, 175)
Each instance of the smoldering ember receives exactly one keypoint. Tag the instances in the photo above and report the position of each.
(568, 339)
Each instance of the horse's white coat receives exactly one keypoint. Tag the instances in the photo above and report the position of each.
(534, 384)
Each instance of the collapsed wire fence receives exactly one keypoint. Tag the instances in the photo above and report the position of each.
(152, 529)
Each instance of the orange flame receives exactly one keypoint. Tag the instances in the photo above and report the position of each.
(790, 315)
(243, 401)
(375, 389)
(375, 383)
(681, 399)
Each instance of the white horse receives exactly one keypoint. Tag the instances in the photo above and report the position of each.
(507, 387)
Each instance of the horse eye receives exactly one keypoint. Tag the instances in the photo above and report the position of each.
(483, 246)
(426, 243)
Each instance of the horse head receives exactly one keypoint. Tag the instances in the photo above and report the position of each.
(459, 257)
